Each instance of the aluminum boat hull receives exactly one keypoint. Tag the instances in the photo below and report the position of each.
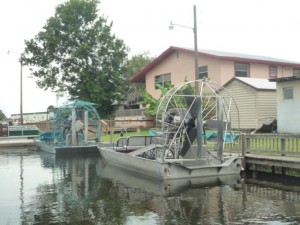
(165, 170)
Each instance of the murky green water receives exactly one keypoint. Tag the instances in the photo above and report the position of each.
(39, 188)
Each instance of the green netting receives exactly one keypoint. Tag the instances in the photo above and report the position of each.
(62, 122)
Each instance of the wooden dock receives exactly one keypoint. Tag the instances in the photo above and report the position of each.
(253, 161)
(273, 152)
(277, 161)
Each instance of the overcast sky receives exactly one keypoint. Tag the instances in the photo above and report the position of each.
(259, 27)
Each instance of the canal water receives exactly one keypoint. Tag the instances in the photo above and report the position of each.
(39, 188)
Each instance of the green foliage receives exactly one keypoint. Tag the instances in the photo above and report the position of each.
(77, 54)
(153, 103)
(134, 65)
(115, 136)
(137, 63)
(2, 115)
(178, 102)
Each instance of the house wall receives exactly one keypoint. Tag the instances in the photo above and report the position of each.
(285, 71)
(31, 117)
(259, 70)
(288, 119)
(214, 68)
(178, 64)
(181, 65)
(226, 71)
(253, 104)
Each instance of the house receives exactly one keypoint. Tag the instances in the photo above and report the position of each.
(31, 117)
(288, 104)
(178, 64)
(255, 99)
(256, 96)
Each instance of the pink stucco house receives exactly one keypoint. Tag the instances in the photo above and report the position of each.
(177, 64)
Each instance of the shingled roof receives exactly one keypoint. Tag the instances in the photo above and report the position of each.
(256, 83)
(140, 76)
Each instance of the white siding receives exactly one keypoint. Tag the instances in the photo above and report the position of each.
(266, 104)
(289, 117)
(253, 104)
(288, 110)
(244, 96)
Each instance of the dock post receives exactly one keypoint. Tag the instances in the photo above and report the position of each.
(243, 150)
(283, 146)
(273, 169)
(283, 171)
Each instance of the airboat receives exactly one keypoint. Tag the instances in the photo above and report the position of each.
(75, 128)
(179, 149)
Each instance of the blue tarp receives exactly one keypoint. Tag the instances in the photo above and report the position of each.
(49, 136)
(212, 136)
(229, 137)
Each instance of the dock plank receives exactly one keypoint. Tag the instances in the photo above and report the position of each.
(279, 161)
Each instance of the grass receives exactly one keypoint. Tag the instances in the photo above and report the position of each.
(116, 136)
(263, 145)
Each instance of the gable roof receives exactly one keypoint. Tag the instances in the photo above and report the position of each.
(140, 76)
(256, 83)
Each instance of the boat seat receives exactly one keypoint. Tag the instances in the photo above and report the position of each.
(132, 143)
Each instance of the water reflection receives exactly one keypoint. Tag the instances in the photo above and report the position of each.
(43, 189)
(167, 187)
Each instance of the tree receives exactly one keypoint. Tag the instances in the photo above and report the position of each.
(134, 65)
(137, 63)
(77, 54)
(2, 115)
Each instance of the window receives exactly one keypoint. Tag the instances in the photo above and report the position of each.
(162, 79)
(241, 70)
(273, 71)
(202, 72)
(288, 93)
(296, 72)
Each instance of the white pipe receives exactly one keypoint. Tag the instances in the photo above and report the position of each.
(73, 128)
(86, 126)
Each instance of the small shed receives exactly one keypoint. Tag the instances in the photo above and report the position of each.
(255, 99)
(288, 104)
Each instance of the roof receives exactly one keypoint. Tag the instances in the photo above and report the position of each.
(140, 76)
(26, 114)
(256, 83)
(282, 79)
